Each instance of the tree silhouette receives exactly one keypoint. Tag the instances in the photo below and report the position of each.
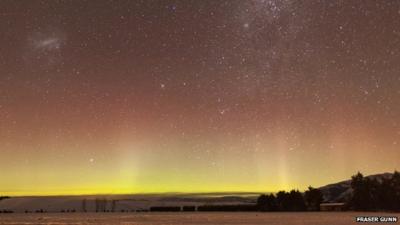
(384, 195)
(282, 200)
(395, 183)
(296, 201)
(361, 199)
(267, 203)
(290, 201)
(373, 194)
(313, 198)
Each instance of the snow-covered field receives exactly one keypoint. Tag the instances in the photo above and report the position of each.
(319, 218)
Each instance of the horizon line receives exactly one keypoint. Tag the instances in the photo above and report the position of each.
(144, 193)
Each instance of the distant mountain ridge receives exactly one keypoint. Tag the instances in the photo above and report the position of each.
(341, 191)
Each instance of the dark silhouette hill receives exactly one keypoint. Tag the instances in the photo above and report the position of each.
(341, 191)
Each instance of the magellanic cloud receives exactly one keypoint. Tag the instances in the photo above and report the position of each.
(44, 48)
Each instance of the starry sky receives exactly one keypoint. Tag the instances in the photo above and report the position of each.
(196, 96)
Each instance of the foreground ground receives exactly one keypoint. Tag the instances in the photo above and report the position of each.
(316, 218)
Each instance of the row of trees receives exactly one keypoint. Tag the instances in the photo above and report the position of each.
(368, 194)
(372, 194)
(291, 201)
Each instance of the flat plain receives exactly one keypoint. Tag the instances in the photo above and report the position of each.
(197, 218)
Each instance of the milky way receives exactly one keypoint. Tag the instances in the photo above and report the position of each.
(196, 96)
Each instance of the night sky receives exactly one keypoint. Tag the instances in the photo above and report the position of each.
(196, 96)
